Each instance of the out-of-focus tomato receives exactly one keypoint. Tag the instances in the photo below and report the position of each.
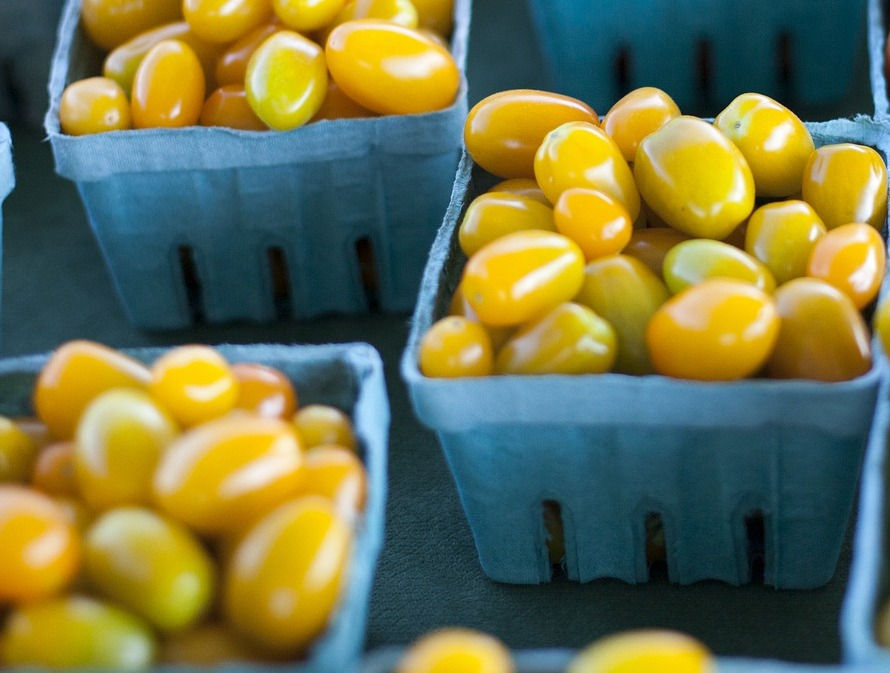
(626, 293)
(168, 88)
(493, 215)
(718, 330)
(286, 80)
(391, 69)
(285, 575)
(337, 105)
(231, 68)
(151, 565)
(852, 259)
(319, 424)
(76, 632)
(594, 220)
(41, 548)
(222, 475)
(526, 187)
(335, 472)
(94, 105)
(17, 452)
(504, 130)
(209, 644)
(846, 183)
(569, 339)
(264, 390)
(822, 336)
(455, 347)
(35, 429)
(228, 107)
(307, 15)
(638, 114)
(650, 246)
(882, 327)
(521, 275)
(120, 439)
(113, 22)
(694, 178)
(580, 154)
(782, 236)
(691, 262)
(75, 374)
(225, 20)
(77, 514)
(644, 652)
(435, 15)
(774, 142)
(54, 471)
(457, 650)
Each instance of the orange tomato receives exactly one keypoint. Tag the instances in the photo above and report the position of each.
(650, 246)
(168, 88)
(594, 220)
(54, 470)
(636, 115)
(231, 68)
(337, 105)
(264, 390)
(335, 472)
(113, 22)
(225, 20)
(852, 259)
(228, 106)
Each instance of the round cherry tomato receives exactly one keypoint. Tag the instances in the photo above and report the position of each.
(459, 306)
(456, 650)
(782, 236)
(650, 246)
(120, 439)
(526, 187)
(456, 347)
(76, 632)
(113, 22)
(286, 80)
(521, 275)
(846, 183)
(335, 472)
(638, 114)
(691, 262)
(206, 645)
(77, 373)
(644, 652)
(228, 106)
(569, 339)
(94, 105)
(224, 474)
(41, 548)
(225, 20)
(391, 69)
(337, 105)
(401, 12)
(580, 154)
(852, 259)
(168, 88)
(231, 68)
(172, 584)
(493, 215)
(718, 330)
(264, 390)
(503, 131)
(278, 592)
(319, 424)
(594, 220)
(694, 178)
(307, 15)
(435, 15)
(18, 452)
(823, 336)
(54, 471)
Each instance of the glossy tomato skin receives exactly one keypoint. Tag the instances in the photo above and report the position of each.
(636, 115)
(264, 390)
(852, 258)
(336, 473)
(526, 187)
(693, 261)
(228, 107)
(337, 105)
(496, 214)
(782, 236)
(208, 644)
(650, 246)
(319, 424)
(823, 335)
(110, 23)
(307, 15)
(94, 105)
(504, 131)
(18, 453)
(168, 88)
(231, 67)
(456, 347)
(435, 15)
(467, 649)
(223, 21)
(599, 224)
(642, 651)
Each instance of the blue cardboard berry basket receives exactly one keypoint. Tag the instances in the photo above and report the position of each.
(217, 225)
(701, 51)
(7, 175)
(738, 473)
(349, 376)
(877, 42)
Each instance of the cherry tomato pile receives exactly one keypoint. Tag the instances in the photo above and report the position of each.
(456, 649)
(260, 64)
(653, 242)
(188, 512)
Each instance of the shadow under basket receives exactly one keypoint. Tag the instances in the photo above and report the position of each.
(741, 481)
(216, 225)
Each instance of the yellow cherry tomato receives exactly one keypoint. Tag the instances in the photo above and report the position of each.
(594, 220)
(120, 439)
(224, 474)
(493, 215)
(569, 339)
(521, 275)
(650, 246)
(94, 105)
(337, 105)
(846, 183)
(504, 130)
(626, 293)
(823, 336)
(319, 424)
(286, 80)
(76, 632)
(194, 383)
(455, 347)
(644, 652)
(391, 69)
(225, 20)
(459, 306)
(882, 619)
(852, 259)
(168, 88)
(694, 178)
(231, 68)
(264, 390)
(171, 585)
(782, 236)
(638, 114)
(526, 187)
(691, 262)
(774, 142)
(307, 15)
(718, 330)
(209, 644)
(435, 15)
(580, 154)
(455, 650)
(401, 12)
(285, 575)
(41, 548)
(113, 22)
(78, 515)
(882, 325)
(54, 472)
(77, 373)
(18, 452)
(335, 472)
(228, 107)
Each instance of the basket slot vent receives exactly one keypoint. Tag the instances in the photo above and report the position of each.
(705, 63)
(656, 547)
(367, 265)
(555, 529)
(622, 70)
(755, 530)
(280, 282)
(192, 282)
